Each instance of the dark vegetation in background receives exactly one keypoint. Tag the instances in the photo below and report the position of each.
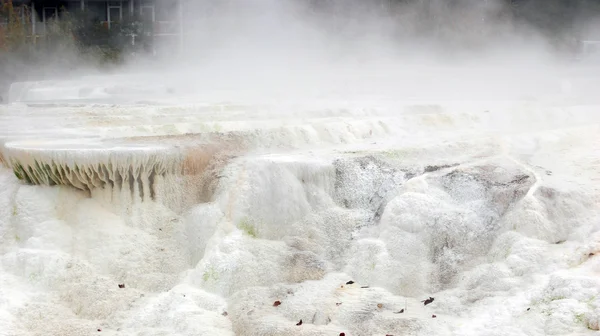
(553, 19)
(74, 40)
(562, 22)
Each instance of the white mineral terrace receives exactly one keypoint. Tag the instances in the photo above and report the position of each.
(127, 211)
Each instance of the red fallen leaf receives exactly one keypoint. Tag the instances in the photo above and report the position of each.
(433, 316)
(276, 303)
(99, 330)
(299, 323)
(342, 334)
(121, 285)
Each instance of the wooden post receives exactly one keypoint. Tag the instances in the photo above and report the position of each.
(108, 14)
(33, 15)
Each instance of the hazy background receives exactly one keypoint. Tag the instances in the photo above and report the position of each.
(250, 41)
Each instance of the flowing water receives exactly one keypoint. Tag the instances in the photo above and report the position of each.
(129, 212)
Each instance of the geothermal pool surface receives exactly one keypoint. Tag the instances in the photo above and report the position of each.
(176, 217)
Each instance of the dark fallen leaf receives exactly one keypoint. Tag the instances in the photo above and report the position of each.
(299, 323)
(364, 287)
(342, 334)
(183, 295)
(399, 312)
(428, 301)
(276, 303)
(121, 285)
(349, 282)
(338, 303)
(159, 229)
(433, 316)
(528, 309)
(99, 329)
(224, 314)
(389, 335)
(591, 255)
